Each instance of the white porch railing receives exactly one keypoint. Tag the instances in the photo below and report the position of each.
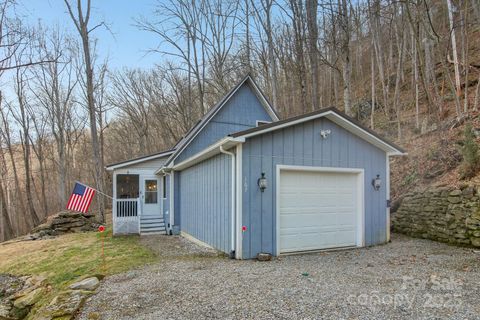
(126, 216)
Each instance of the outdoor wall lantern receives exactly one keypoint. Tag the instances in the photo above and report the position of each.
(262, 182)
(376, 183)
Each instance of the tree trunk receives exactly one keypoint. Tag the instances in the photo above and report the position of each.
(454, 49)
(347, 64)
(372, 111)
(81, 23)
(311, 8)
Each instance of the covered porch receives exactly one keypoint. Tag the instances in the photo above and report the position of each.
(139, 195)
(138, 201)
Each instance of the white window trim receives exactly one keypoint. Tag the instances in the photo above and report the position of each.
(360, 241)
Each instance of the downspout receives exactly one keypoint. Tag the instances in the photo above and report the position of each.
(232, 218)
(168, 225)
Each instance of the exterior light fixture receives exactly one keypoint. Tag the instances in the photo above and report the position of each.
(376, 183)
(262, 182)
(325, 133)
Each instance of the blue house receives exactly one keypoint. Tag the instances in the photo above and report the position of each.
(244, 182)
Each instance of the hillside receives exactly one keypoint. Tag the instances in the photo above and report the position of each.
(55, 264)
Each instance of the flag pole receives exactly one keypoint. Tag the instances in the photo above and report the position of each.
(106, 195)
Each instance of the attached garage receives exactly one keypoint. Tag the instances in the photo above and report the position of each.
(319, 191)
(319, 208)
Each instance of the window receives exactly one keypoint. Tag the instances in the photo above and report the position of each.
(127, 186)
(262, 122)
(151, 191)
(164, 187)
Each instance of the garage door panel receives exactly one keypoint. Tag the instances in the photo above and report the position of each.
(318, 210)
(328, 203)
(314, 241)
(312, 219)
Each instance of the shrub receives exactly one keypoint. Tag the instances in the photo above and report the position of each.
(470, 154)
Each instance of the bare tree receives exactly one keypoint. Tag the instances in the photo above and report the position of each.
(263, 14)
(7, 226)
(53, 86)
(182, 33)
(454, 46)
(311, 9)
(81, 21)
(23, 119)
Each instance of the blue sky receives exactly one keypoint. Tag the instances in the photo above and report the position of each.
(124, 44)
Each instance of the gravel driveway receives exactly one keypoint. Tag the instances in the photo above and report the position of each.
(406, 279)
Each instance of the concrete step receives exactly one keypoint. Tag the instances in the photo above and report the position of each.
(152, 221)
(151, 218)
(152, 226)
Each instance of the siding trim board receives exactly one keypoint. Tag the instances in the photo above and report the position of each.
(360, 239)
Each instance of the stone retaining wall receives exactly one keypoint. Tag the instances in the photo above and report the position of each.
(444, 214)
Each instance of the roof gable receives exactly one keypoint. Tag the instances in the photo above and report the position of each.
(335, 116)
(217, 114)
(134, 161)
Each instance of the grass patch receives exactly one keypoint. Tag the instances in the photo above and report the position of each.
(70, 257)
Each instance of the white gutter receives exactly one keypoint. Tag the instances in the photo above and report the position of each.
(209, 152)
(232, 218)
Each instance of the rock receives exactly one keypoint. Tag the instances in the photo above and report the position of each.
(454, 199)
(5, 311)
(264, 257)
(29, 299)
(35, 281)
(475, 242)
(455, 193)
(65, 305)
(93, 316)
(89, 284)
(63, 222)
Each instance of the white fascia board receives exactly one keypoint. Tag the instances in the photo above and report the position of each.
(344, 123)
(263, 100)
(209, 152)
(135, 161)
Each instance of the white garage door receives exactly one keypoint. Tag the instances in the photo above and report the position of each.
(318, 210)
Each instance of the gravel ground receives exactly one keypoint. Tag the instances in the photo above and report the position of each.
(405, 279)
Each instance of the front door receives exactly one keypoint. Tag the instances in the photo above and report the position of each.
(151, 204)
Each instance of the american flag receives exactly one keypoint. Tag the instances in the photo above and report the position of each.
(81, 198)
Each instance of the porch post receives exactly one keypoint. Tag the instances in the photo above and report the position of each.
(139, 213)
(114, 203)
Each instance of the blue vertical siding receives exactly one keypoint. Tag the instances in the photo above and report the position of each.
(177, 219)
(239, 113)
(205, 201)
(302, 145)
